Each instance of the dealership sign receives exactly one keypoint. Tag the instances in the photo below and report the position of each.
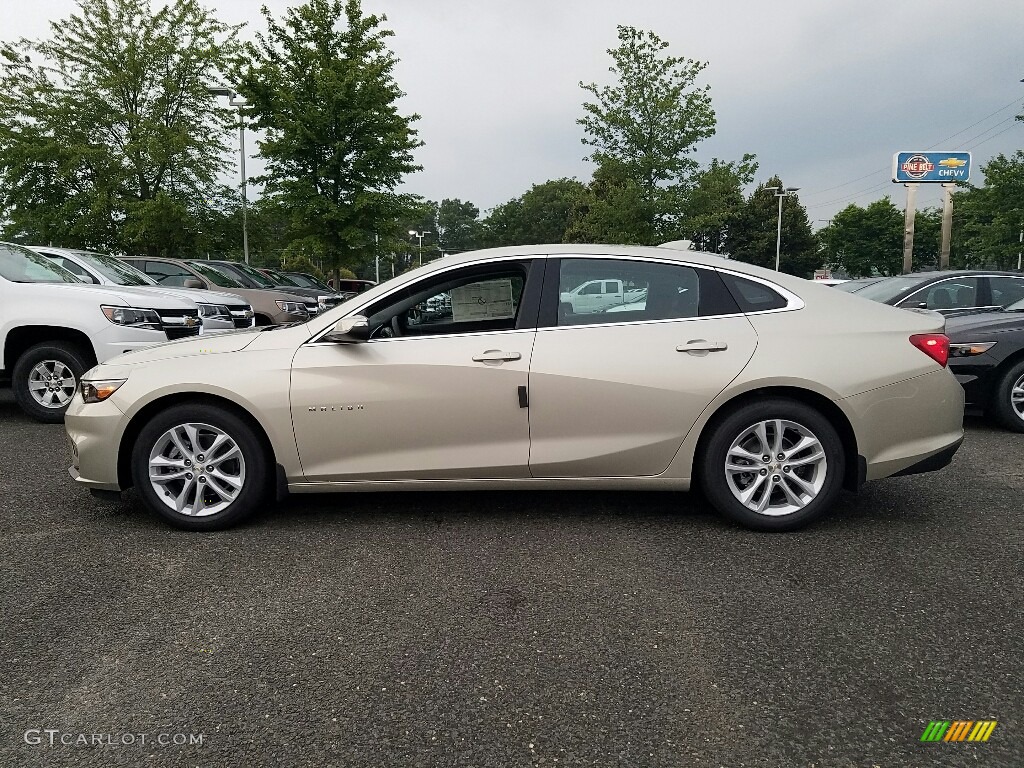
(935, 167)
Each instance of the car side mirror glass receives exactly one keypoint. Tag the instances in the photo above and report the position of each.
(191, 282)
(349, 330)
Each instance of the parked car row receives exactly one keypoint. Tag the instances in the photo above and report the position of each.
(56, 322)
(770, 393)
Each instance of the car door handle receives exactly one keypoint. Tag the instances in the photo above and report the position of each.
(702, 347)
(496, 356)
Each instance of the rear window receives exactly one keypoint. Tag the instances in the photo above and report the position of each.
(753, 296)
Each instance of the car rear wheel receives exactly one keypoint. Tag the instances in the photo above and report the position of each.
(1008, 402)
(45, 379)
(200, 467)
(773, 465)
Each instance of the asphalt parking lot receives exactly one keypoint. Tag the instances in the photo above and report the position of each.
(494, 629)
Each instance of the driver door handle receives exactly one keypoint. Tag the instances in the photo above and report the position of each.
(496, 356)
(698, 346)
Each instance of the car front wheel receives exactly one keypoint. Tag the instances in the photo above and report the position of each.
(773, 465)
(45, 379)
(200, 467)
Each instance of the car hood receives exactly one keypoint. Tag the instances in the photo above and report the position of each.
(200, 296)
(958, 327)
(201, 345)
(129, 296)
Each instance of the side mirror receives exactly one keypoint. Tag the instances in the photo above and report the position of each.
(349, 330)
(191, 282)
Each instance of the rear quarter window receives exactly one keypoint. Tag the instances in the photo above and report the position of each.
(752, 296)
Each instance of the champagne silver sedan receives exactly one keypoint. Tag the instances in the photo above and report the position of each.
(769, 393)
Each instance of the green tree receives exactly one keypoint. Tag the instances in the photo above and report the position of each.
(755, 228)
(540, 215)
(643, 130)
(457, 226)
(108, 137)
(865, 241)
(321, 86)
(711, 206)
(988, 220)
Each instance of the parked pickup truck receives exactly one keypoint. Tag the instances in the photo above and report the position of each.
(53, 328)
(600, 295)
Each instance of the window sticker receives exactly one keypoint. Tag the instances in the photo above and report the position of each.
(487, 300)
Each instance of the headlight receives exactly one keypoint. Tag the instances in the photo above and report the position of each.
(218, 311)
(135, 318)
(98, 391)
(292, 307)
(970, 350)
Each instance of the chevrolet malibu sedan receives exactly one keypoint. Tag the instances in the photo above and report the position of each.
(769, 393)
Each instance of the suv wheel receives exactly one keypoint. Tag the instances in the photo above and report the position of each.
(45, 379)
(200, 467)
(773, 465)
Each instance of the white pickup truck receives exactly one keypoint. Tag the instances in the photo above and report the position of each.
(53, 328)
(600, 295)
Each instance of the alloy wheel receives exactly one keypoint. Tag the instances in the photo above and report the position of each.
(52, 384)
(776, 467)
(1017, 398)
(196, 469)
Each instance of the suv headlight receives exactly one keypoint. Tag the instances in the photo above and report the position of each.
(100, 390)
(214, 311)
(292, 307)
(134, 318)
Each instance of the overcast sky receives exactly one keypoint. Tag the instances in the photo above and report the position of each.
(822, 91)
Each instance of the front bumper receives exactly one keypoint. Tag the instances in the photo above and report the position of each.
(95, 432)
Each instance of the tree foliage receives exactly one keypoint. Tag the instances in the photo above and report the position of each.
(643, 128)
(711, 206)
(754, 233)
(542, 214)
(108, 137)
(321, 86)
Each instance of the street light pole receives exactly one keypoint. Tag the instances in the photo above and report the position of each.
(419, 235)
(780, 193)
(235, 101)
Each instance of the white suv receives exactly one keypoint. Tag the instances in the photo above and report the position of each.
(53, 328)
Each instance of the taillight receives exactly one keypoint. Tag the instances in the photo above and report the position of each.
(935, 345)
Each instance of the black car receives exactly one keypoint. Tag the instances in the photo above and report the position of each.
(948, 292)
(986, 354)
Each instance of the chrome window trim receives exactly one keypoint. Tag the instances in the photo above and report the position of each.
(793, 302)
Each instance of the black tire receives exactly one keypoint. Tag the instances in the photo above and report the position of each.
(257, 483)
(66, 353)
(1001, 407)
(731, 426)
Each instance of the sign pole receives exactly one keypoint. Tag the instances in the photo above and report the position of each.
(908, 228)
(947, 224)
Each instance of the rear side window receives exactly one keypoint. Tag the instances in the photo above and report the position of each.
(753, 296)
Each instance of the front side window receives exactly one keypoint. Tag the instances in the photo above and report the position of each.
(473, 300)
(167, 274)
(613, 290)
(115, 270)
(959, 293)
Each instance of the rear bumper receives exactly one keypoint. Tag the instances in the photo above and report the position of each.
(934, 462)
(908, 423)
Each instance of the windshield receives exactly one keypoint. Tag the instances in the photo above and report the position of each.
(115, 270)
(20, 265)
(280, 279)
(216, 276)
(257, 278)
(305, 281)
(891, 288)
(1017, 306)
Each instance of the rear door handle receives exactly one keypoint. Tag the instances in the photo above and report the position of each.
(701, 347)
(496, 356)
